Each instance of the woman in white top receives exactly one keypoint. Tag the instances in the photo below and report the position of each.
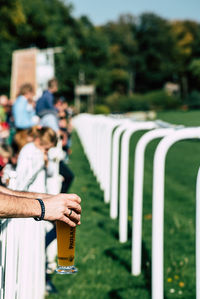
(32, 161)
(31, 176)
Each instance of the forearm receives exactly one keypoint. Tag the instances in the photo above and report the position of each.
(28, 195)
(19, 207)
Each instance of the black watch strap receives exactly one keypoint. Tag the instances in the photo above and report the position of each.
(42, 210)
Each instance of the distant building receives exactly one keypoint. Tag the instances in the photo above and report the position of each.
(172, 88)
(32, 66)
(84, 90)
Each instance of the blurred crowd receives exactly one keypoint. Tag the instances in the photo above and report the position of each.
(35, 145)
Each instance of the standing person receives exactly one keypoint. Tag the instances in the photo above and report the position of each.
(50, 119)
(32, 161)
(31, 175)
(23, 110)
(45, 102)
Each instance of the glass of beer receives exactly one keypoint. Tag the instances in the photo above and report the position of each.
(66, 248)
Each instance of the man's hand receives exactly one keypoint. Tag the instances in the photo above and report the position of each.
(59, 207)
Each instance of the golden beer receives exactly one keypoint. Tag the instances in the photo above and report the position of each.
(66, 248)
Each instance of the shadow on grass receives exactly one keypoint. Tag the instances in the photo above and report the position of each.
(96, 195)
(109, 229)
(101, 211)
(114, 254)
(146, 267)
(115, 293)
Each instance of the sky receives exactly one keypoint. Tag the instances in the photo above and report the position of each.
(102, 11)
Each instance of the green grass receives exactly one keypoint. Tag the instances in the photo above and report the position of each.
(104, 263)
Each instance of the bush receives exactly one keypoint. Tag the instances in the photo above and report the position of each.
(101, 109)
(160, 100)
(193, 100)
(135, 102)
(157, 100)
(113, 102)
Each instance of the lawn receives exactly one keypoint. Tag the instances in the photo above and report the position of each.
(104, 263)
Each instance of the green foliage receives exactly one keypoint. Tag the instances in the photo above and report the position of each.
(48, 23)
(157, 100)
(154, 62)
(119, 80)
(101, 109)
(6, 48)
(186, 35)
(103, 82)
(119, 103)
(84, 50)
(195, 68)
(11, 16)
(193, 100)
(113, 102)
(127, 56)
(67, 75)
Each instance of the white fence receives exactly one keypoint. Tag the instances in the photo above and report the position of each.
(100, 137)
(22, 259)
(22, 251)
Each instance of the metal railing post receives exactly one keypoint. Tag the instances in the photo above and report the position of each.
(158, 205)
(115, 169)
(106, 174)
(123, 204)
(138, 180)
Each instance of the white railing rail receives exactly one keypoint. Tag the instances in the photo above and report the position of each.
(158, 205)
(102, 146)
(124, 176)
(115, 168)
(22, 259)
(138, 182)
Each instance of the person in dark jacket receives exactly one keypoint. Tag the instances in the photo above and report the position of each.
(46, 101)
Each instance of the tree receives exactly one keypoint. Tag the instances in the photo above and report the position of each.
(186, 35)
(154, 63)
(122, 51)
(48, 23)
(195, 68)
(11, 16)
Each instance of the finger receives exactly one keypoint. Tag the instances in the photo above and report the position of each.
(70, 212)
(73, 197)
(68, 221)
(74, 206)
(73, 215)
